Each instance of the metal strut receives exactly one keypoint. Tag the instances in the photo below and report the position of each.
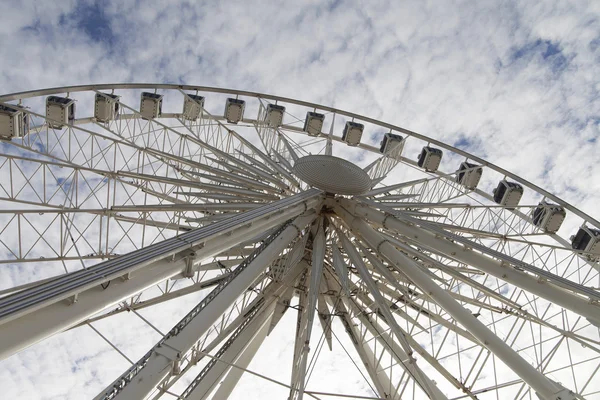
(250, 317)
(143, 377)
(126, 377)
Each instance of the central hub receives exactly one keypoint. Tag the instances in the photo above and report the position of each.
(332, 174)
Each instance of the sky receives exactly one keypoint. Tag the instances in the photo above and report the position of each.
(513, 82)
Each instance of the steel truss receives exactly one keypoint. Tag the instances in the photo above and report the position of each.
(421, 287)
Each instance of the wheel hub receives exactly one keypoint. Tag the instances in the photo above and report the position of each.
(333, 174)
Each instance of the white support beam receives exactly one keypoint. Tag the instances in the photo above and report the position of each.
(383, 337)
(465, 254)
(141, 379)
(242, 362)
(57, 316)
(271, 293)
(47, 313)
(544, 387)
(384, 309)
(167, 296)
(209, 377)
(299, 335)
(340, 267)
(380, 379)
(316, 273)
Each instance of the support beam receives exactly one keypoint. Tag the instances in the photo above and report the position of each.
(126, 306)
(142, 378)
(536, 285)
(544, 387)
(384, 309)
(242, 362)
(272, 293)
(385, 339)
(316, 273)
(255, 326)
(41, 311)
(380, 379)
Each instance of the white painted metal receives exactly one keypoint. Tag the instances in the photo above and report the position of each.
(256, 330)
(123, 178)
(156, 367)
(316, 272)
(396, 351)
(13, 122)
(577, 304)
(234, 374)
(20, 330)
(545, 388)
(391, 321)
(332, 174)
(380, 379)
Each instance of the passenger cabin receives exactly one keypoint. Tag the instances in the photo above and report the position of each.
(151, 105)
(508, 194)
(430, 158)
(192, 106)
(390, 142)
(234, 110)
(106, 107)
(14, 122)
(60, 111)
(274, 116)
(587, 239)
(313, 123)
(469, 175)
(548, 217)
(352, 133)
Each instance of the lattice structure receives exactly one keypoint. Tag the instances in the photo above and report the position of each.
(189, 248)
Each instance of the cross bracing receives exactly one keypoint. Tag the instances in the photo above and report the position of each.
(426, 286)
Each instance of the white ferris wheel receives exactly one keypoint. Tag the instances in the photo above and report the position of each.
(439, 274)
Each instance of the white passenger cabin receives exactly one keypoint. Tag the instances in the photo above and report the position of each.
(60, 111)
(469, 175)
(352, 133)
(548, 217)
(313, 124)
(391, 143)
(234, 110)
(106, 107)
(151, 105)
(192, 106)
(430, 158)
(508, 194)
(588, 240)
(274, 117)
(14, 122)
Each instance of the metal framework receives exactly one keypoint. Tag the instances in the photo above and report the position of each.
(191, 233)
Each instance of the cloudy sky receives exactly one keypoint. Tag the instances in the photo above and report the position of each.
(513, 82)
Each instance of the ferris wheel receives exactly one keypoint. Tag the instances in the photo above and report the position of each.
(175, 234)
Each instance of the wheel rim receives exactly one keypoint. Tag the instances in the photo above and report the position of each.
(94, 191)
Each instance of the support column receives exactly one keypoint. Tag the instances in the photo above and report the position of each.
(234, 375)
(545, 388)
(316, 273)
(142, 378)
(396, 351)
(44, 310)
(210, 376)
(380, 379)
(539, 287)
(358, 262)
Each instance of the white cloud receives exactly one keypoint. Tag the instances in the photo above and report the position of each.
(515, 83)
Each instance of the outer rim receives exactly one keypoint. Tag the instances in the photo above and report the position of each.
(364, 147)
(82, 88)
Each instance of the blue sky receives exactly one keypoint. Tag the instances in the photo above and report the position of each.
(514, 82)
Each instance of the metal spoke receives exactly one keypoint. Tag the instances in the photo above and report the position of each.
(205, 228)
